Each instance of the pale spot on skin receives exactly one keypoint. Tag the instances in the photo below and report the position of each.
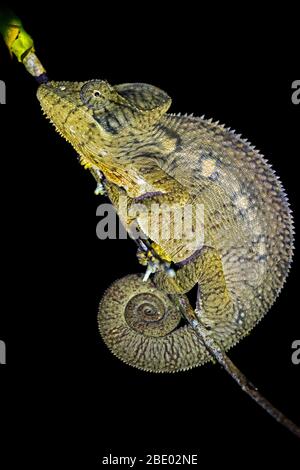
(242, 202)
(140, 180)
(261, 249)
(169, 145)
(208, 167)
(252, 215)
(257, 230)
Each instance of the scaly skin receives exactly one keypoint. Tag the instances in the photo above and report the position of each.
(150, 156)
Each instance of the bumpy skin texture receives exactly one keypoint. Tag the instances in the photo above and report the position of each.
(150, 156)
(172, 346)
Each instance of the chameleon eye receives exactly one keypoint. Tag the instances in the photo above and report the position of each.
(91, 94)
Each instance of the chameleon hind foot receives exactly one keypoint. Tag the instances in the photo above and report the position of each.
(149, 255)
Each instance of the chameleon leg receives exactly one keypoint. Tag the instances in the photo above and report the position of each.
(206, 269)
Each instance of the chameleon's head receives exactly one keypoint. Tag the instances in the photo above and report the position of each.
(93, 115)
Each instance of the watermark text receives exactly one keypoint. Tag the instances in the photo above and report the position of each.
(2, 92)
(296, 93)
(2, 352)
(296, 353)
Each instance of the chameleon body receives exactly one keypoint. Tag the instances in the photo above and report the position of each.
(149, 156)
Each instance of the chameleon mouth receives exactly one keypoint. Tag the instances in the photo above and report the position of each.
(62, 89)
(52, 103)
(58, 105)
(46, 92)
(57, 98)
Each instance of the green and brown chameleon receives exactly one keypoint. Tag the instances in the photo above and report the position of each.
(149, 156)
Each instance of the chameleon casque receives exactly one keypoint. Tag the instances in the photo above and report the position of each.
(147, 155)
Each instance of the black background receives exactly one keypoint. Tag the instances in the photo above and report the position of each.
(80, 400)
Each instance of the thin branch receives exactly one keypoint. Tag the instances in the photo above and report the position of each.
(242, 380)
(221, 357)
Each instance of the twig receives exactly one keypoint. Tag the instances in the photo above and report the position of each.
(20, 44)
(221, 357)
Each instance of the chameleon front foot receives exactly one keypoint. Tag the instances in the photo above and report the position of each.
(100, 188)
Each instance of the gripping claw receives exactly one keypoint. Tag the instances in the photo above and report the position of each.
(151, 269)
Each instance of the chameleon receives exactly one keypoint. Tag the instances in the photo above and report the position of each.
(239, 256)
